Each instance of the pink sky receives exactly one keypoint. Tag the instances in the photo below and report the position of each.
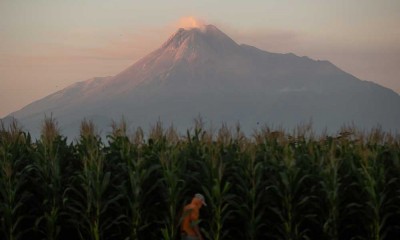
(47, 45)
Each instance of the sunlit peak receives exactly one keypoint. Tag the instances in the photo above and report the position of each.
(190, 23)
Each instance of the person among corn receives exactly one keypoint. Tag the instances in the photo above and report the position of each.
(190, 218)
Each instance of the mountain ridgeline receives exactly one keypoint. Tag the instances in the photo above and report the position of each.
(204, 72)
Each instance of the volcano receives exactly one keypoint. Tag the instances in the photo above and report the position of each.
(202, 71)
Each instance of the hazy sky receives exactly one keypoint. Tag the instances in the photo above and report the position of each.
(46, 45)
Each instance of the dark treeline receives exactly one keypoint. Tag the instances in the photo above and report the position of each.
(273, 185)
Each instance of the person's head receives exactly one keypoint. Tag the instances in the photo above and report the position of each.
(199, 199)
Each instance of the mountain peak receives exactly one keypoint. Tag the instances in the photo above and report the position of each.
(204, 38)
(197, 44)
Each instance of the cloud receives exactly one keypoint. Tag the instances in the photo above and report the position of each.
(190, 22)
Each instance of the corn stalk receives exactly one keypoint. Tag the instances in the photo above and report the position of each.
(331, 184)
(217, 191)
(90, 192)
(375, 182)
(291, 200)
(137, 185)
(14, 151)
(173, 185)
(48, 178)
(250, 196)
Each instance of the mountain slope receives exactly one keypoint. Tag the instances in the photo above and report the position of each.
(203, 71)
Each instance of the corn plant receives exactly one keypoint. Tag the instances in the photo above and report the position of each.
(375, 182)
(288, 188)
(331, 185)
(217, 188)
(173, 183)
(14, 165)
(48, 179)
(91, 191)
(250, 200)
(351, 192)
(390, 158)
(137, 175)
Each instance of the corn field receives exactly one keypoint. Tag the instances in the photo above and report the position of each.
(272, 185)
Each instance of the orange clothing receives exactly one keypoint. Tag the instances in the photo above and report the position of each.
(190, 217)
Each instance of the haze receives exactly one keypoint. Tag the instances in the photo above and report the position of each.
(47, 45)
